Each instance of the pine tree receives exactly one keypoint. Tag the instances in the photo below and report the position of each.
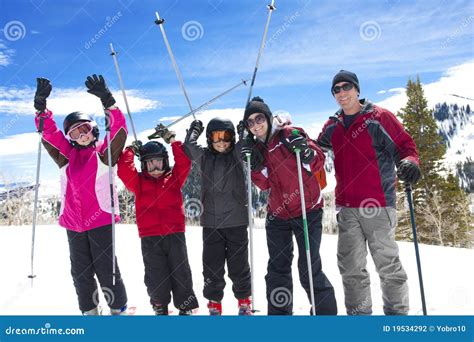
(421, 125)
(441, 206)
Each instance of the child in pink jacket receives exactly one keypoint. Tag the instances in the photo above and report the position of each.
(85, 193)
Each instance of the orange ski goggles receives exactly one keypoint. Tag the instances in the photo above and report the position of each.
(225, 136)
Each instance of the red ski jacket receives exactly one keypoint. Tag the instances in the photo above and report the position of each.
(158, 201)
(280, 176)
(365, 156)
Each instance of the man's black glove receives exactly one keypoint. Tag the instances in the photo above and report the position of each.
(195, 130)
(136, 146)
(408, 171)
(256, 157)
(43, 89)
(96, 86)
(299, 142)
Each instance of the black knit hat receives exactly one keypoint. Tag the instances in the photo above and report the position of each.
(345, 76)
(256, 105)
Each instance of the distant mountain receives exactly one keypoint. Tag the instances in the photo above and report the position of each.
(456, 127)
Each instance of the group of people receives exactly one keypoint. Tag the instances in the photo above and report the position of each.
(371, 148)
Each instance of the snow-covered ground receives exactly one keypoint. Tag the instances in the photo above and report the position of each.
(447, 272)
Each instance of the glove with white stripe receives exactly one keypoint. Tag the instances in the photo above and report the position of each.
(299, 142)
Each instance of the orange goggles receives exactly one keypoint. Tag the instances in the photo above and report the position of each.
(226, 136)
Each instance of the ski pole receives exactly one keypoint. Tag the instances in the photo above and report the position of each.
(271, 8)
(159, 21)
(249, 199)
(119, 74)
(408, 191)
(111, 186)
(305, 225)
(35, 206)
(198, 109)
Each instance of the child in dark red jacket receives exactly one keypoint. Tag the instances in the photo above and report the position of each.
(160, 220)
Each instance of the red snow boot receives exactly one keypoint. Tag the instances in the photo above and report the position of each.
(245, 307)
(215, 308)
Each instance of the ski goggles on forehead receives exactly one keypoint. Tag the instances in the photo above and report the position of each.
(154, 164)
(80, 130)
(225, 136)
(345, 87)
(259, 119)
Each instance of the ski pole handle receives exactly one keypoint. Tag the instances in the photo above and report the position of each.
(295, 132)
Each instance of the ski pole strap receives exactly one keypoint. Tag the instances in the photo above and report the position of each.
(107, 121)
(41, 124)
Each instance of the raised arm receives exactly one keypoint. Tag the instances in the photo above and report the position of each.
(118, 136)
(118, 127)
(127, 171)
(182, 164)
(53, 140)
(192, 149)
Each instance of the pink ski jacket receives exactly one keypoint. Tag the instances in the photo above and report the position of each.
(85, 190)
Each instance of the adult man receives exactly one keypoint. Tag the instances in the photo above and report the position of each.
(368, 143)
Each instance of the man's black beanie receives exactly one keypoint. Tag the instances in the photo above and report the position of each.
(345, 76)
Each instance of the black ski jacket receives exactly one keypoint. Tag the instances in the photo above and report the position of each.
(223, 193)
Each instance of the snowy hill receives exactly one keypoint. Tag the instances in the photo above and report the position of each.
(456, 126)
(448, 281)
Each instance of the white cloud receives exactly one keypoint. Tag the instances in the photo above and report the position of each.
(396, 90)
(66, 100)
(456, 80)
(5, 54)
(169, 118)
(24, 143)
(381, 92)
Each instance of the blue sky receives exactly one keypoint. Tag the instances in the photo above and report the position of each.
(384, 42)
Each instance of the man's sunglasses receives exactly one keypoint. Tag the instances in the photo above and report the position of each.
(345, 87)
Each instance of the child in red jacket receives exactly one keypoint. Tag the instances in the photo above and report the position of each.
(160, 220)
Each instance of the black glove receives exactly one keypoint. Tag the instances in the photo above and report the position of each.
(299, 142)
(408, 172)
(136, 146)
(96, 86)
(43, 89)
(241, 130)
(195, 130)
(256, 157)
